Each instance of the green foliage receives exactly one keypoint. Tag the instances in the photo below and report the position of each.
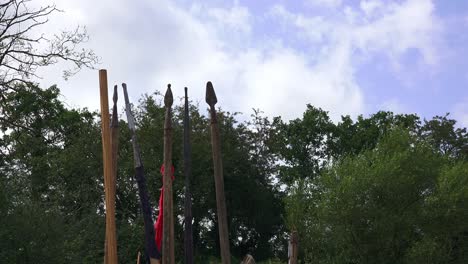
(400, 202)
(383, 189)
(51, 161)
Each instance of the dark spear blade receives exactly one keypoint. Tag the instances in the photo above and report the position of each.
(188, 232)
(131, 126)
(150, 245)
(218, 176)
(114, 126)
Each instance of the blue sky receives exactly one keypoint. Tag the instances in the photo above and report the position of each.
(348, 57)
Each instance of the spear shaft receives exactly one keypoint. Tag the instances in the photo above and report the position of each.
(188, 232)
(110, 249)
(114, 126)
(150, 246)
(168, 220)
(211, 100)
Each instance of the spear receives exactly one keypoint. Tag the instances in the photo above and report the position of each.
(111, 240)
(211, 100)
(188, 236)
(168, 220)
(150, 246)
(114, 127)
(114, 140)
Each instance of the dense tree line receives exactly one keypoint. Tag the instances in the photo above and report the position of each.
(383, 189)
(52, 184)
(380, 189)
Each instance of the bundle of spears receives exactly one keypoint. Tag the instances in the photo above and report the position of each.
(157, 232)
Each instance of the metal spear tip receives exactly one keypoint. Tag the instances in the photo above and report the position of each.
(124, 87)
(210, 98)
(115, 97)
(168, 99)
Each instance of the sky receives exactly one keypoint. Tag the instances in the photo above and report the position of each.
(347, 57)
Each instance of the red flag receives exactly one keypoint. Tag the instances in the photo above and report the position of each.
(158, 226)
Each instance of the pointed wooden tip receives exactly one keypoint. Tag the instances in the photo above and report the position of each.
(168, 98)
(115, 97)
(124, 87)
(210, 98)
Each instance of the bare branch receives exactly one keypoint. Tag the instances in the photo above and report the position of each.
(22, 53)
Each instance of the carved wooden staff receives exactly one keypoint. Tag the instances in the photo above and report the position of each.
(188, 236)
(211, 100)
(150, 246)
(114, 126)
(111, 240)
(168, 220)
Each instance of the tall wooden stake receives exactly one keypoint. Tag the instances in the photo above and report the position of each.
(111, 240)
(150, 245)
(168, 219)
(188, 232)
(293, 250)
(138, 257)
(211, 100)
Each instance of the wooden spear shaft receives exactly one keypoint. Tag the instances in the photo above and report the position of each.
(293, 247)
(168, 220)
(111, 240)
(211, 100)
(188, 232)
(114, 127)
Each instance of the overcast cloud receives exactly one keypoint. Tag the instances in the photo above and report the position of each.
(347, 59)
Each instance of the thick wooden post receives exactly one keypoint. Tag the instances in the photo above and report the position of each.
(168, 219)
(111, 240)
(293, 250)
(211, 100)
(248, 259)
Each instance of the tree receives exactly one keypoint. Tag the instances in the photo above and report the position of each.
(443, 134)
(23, 51)
(50, 180)
(352, 137)
(302, 145)
(400, 202)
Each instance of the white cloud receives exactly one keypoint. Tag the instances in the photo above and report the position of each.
(394, 105)
(370, 7)
(236, 17)
(151, 43)
(325, 3)
(398, 28)
(460, 113)
(361, 34)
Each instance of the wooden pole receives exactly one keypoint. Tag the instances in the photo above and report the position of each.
(293, 250)
(248, 259)
(111, 240)
(188, 232)
(168, 219)
(211, 100)
(138, 257)
(150, 244)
